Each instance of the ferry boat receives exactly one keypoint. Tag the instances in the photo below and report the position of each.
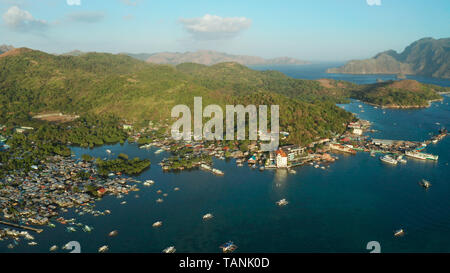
(388, 159)
(422, 156)
(170, 249)
(424, 183)
(228, 247)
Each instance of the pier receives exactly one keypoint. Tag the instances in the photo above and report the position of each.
(37, 230)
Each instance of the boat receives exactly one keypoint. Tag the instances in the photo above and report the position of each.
(228, 247)
(422, 156)
(32, 243)
(108, 151)
(218, 172)
(282, 202)
(323, 168)
(159, 151)
(157, 224)
(87, 228)
(399, 233)
(148, 183)
(262, 168)
(388, 159)
(176, 189)
(207, 216)
(53, 248)
(170, 249)
(159, 200)
(425, 183)
(103, 249)
(316, 166)
(70, 229)
(113, 233)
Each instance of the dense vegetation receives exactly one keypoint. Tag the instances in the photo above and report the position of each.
(99, 86)
(122, 165)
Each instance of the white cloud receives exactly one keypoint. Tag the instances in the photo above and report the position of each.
(373, 2)
(22, 20)
(74, 2)
(213, 27)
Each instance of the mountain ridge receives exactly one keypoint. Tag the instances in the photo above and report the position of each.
(425, 57)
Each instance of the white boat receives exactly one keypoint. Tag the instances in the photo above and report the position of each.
(425, 183)
(217, 171)
(292, 171)
(87, 228)
(148, 183)
(176, 189)
(108, 151)
(157, 224)
(282, 202)
(32, 243)
(53, 248)
(103, 249)
(422, 156)
(207, 216)
(113, 233)
(159, 200)
(170, 249)
(399, 233)
(159, 151)
(389, 159)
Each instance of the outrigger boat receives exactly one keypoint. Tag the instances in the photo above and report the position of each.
(425, 183)
(399, 233)
(228, 247)
(282, 202)
(170, 249)
(207, 216)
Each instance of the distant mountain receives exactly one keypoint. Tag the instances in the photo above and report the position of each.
(425, 57)
(5, 48)
(209, 57)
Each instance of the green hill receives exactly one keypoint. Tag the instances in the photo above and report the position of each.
(97, 83)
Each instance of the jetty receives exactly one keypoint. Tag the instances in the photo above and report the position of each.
(37, 230)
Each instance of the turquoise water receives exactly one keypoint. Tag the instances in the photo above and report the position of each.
(356, 200)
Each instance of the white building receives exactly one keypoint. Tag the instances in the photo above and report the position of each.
(357, 131)
(282, 159)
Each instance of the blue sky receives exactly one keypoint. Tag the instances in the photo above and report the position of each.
(319, 30)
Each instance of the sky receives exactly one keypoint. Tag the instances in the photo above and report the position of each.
(319, 30)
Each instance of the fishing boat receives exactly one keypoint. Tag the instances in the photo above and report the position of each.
(207, 216)
(170, 249)
(228, 247)
(282, 202)
(103, 249)
(399, 233)
(425, 183)
(389, 159)
(157, 224)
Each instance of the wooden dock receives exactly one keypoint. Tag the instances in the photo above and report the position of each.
(37, 230)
